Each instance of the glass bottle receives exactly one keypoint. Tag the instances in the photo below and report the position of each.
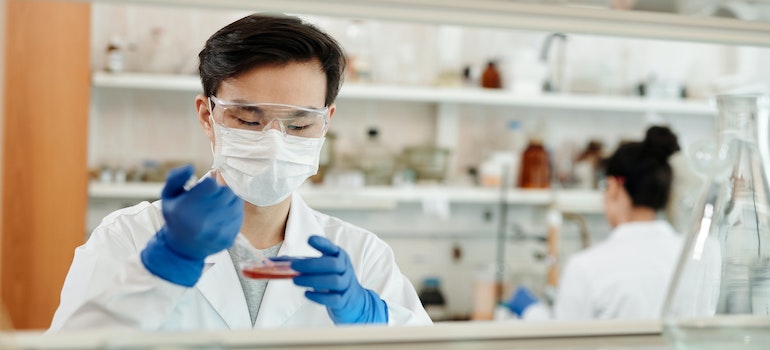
(376, 160)
(490, 78)
(358, 47)
(115, 59)
(535, 171)
(326, 159)
(517, 143)
(433, 299)
(719, 296)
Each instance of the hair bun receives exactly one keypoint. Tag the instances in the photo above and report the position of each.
(660, 142)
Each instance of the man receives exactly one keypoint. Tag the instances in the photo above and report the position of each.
(269, 86)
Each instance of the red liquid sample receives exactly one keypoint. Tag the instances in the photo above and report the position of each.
(268, 273)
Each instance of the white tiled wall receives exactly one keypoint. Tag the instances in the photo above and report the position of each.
(128, 127)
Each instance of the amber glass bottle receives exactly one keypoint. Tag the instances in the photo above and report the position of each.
(490, 78)
(534, 171)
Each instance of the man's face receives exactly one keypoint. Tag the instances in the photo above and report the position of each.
(298, 83)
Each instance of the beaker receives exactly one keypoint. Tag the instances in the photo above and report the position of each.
(719, 296)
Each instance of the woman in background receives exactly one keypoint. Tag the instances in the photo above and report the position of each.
(627, 275)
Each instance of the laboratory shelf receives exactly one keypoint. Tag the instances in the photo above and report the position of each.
(480, 96)
(148, 81)
(516, 15)
(386, 198)
(426, 94)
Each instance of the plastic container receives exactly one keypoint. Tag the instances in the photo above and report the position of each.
(498, 170)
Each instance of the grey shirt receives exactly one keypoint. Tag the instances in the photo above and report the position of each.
(253, 289)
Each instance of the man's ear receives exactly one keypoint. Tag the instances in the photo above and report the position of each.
(332, 109)
(204, 116)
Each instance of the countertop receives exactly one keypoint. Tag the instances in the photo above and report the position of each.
(604, 335)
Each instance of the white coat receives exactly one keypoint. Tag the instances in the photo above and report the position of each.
(108, 286)
(624, 277)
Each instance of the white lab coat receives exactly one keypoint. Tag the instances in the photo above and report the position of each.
(108, 286)
(624, 277)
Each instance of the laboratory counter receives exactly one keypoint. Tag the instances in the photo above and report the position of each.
(615, 335)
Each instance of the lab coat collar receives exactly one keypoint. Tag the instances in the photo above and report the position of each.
(300, 225)
(644, 230)
(230, 303)
(282, 297)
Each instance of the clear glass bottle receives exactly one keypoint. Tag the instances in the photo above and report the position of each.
(326, 158)
(358, 47)
(719, 297)
(376, 160)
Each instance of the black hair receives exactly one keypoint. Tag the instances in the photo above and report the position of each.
(269, 39)
(644, 167)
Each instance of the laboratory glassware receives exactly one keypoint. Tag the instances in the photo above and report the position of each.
(719, 296)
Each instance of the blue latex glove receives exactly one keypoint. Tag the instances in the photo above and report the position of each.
(199, 222)
(335, 285)
(521, 300)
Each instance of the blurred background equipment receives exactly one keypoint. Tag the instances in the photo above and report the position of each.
(721, 288)
(428, 162)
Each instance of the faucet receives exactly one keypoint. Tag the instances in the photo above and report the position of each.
(555, 77)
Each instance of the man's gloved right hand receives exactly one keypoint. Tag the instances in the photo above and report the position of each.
(199, 222)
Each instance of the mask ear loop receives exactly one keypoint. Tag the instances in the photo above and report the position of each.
(217, 137)
(327, 122)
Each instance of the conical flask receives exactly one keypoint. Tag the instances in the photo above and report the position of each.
(719, 296)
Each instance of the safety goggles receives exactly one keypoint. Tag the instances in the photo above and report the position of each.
(290, 120)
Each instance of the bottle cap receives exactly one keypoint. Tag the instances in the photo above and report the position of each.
(513, 124)
(431, 282)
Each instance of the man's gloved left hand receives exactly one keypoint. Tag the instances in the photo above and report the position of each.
(334, 284)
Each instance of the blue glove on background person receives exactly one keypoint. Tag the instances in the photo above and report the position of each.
(335, 285)
(521, 300)
(199, 222)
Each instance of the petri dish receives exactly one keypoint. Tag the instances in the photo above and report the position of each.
(273, 268)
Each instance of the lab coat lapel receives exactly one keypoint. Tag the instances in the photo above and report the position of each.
(222, 288)
(282, 297)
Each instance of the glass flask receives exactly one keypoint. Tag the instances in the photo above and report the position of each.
(719, 296)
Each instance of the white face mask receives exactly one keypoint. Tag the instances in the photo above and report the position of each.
(264, 167)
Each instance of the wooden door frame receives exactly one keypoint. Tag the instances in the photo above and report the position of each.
(44, 149)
